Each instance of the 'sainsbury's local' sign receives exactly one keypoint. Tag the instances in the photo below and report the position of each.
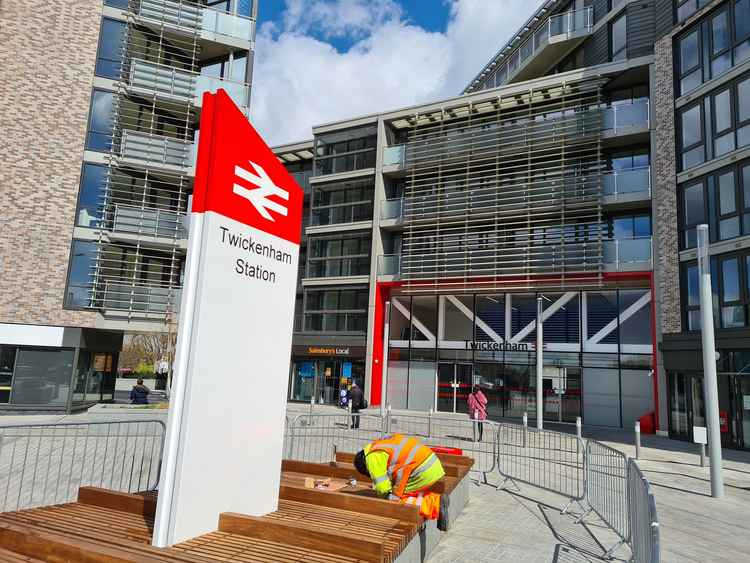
(226, 417)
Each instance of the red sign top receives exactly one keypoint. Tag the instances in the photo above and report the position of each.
(238, 176)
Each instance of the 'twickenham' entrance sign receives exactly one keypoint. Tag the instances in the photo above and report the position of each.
(226, 417)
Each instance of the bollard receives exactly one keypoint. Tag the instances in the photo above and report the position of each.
(578, 427)
(388, 419)
(429, 423)
(333, 458)
(349, 406)
(312, 404)
(637, 440)
(703, 455)
(525, 427)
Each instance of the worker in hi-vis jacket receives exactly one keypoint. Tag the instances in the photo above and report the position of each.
(403, 468)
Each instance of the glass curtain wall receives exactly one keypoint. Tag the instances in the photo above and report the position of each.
(597, 358)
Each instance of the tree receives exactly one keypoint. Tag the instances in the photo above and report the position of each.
(147, 349)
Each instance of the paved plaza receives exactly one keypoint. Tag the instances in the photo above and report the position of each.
(523, 524)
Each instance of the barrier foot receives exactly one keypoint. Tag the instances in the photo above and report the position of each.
(501, 486)
(570, 503)
(583, 515)
(610, 552)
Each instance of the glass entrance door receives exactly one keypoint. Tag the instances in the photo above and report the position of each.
(562, 394)
(454, 386)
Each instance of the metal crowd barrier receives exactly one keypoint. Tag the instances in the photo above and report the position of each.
(644, 523)
(607, 488)
(44, 464)
(599, 478)
(552, 461)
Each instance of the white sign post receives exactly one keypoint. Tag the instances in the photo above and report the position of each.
(226, 420)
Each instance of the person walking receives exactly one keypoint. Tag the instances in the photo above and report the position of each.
(139, 393)
(358, 402)
(477, 408)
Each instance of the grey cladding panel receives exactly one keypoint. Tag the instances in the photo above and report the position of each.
(640, 28)
(596, 48)
(663, 17)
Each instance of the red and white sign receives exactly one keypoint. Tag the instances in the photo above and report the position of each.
(226, 419)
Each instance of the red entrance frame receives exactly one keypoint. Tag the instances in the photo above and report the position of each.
(383, 292)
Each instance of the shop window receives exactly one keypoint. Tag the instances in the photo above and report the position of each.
(42, 377)
(99, 133)
(7, 364)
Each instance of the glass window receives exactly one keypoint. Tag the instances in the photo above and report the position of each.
(109, 59)
(727, 201)
(742, 20)
(689, 52)
(239, 67)
(99, 135)
(730, 279)
(618, 40)
(82, 261)
(719, 33)
(691, 126)
(7, 363)
(122, 4)
(90, 195)
(694, 205)
(693, 286)
(743, 101)
(722, 111)
(42, 377)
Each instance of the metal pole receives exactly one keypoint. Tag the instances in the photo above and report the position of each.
(579, 434)
(384, 385)
(525, 428)
(710, 386)
(703, 455)
(637, 440)
(539, 366)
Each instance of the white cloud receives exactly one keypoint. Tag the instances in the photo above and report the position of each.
(301, 80)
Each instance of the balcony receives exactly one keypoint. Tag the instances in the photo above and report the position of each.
(394, 156)
(391, 209)
(623, 118)
(135, 220)
(554, 38)
(627, 255)
(146, 150)
(171, 83)
(389, 265)
(621, 186)
(140, 298)
(189, 18)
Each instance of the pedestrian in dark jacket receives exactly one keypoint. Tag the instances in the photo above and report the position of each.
(358, 402)
(139, 393)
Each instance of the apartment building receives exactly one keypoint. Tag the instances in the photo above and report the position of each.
(102, 102)
(573, 168)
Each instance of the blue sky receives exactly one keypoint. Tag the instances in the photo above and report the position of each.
(319, 61)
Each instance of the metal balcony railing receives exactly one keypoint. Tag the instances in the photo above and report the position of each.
(627, 182)
(619, 252)
(156, 150)
(192, 16)
(149, 222)
(556, 27)
(628, 115)
(394, 156)
(389, 264)
(182, 85)
(229, 25)
(120, 296)
(172, 12)
(392, 208)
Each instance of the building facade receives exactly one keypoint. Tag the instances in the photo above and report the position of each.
(101, 109)
(573, 168)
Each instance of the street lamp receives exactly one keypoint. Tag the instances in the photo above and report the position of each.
(710, 386)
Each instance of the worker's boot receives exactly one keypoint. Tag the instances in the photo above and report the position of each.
(442, 522)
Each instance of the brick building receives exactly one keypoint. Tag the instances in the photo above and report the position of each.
(101, 102)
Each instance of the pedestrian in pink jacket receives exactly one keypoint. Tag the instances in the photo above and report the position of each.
(477, 408)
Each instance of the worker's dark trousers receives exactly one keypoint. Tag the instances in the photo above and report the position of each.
(355, 418)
